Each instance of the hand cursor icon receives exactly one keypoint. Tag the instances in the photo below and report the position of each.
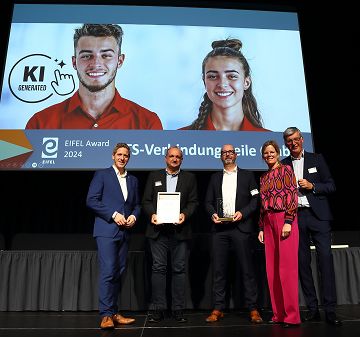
(63, 84)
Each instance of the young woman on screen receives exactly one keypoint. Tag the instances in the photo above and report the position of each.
(229, 103)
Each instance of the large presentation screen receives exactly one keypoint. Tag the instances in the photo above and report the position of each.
(80, 78)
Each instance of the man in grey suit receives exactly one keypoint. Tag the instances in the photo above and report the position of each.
(314, 217)
(169, 237)
(233, 191)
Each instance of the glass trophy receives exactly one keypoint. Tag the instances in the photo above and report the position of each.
(224, 210)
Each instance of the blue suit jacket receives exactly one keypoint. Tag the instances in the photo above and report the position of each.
(105, 197)
(317, 172)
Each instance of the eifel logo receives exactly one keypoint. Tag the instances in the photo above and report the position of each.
(36, 77)
(50, 147)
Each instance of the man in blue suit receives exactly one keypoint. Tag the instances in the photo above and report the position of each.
(114, 198)
(314, 216)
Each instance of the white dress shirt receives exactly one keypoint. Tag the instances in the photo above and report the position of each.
(229, 186)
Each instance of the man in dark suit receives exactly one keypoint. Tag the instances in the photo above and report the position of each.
(114, 198)
(233, 195)
(169, 237)
(314, 217)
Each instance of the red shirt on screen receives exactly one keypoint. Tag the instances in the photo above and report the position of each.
(121, 114)
(245, 126)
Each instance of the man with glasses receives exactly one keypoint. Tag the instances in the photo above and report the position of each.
(315, 183)
(231, 201)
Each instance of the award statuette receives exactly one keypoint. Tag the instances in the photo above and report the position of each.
(224, 210)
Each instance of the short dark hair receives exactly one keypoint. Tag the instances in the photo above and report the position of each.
(99, 30)
(120, 145)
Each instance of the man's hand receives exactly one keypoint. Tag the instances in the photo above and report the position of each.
(237, 216)
(120, 219)
(130, 221)
(181, 219)
(154, 220)
(215, 218)
(307, 185)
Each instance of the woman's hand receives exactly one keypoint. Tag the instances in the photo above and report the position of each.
(286, 230)
(261, 236)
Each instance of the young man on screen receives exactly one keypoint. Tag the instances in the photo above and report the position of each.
(97, 104)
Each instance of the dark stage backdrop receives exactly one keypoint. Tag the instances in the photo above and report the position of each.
(54, 201)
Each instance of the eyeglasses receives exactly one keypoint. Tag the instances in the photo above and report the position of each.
(294, 140)
(223, 153)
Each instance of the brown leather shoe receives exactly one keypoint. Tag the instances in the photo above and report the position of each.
(107, 323)
(255, 317)
(118, 319)
(215, 316)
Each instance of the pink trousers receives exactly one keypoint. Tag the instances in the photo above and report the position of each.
(282, 268)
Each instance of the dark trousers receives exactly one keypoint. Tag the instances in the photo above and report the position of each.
(112, 255)
(311, 228)
(160, 247)
(240, 244)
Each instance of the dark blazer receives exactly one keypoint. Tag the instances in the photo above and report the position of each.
(105, 197)
(247, 198)
(187, 186)
(317, 172)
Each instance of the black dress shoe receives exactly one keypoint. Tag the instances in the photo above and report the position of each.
(290, 325)
(155, 316)
(332, 319)
(312, 316)
(179, 316)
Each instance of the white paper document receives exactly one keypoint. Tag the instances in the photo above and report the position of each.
(168, 207)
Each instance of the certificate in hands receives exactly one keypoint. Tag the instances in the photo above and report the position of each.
(168, 207)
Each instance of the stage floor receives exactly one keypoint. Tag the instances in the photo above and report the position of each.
(86, 324)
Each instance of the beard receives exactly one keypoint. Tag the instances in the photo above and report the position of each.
(96, 88)
(229, 161)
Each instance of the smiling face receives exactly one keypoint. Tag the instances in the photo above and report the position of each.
(228, 156)
(173, 160)
(270, 155)
(225, 82)
(295, 143)
(121, 158)
(96, 61)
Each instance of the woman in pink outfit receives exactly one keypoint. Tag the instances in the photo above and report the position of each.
(279, 232)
